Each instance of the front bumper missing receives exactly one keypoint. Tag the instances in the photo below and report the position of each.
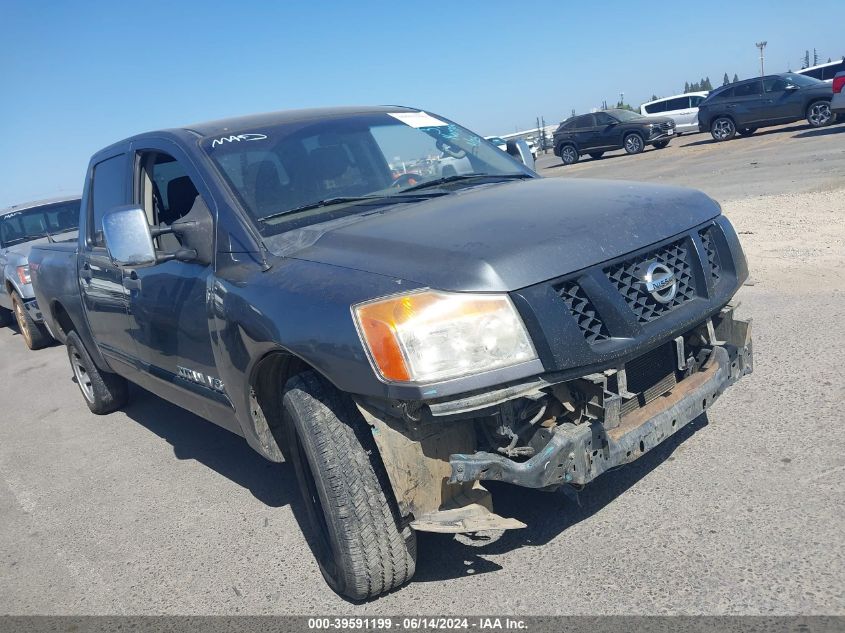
(577, 454)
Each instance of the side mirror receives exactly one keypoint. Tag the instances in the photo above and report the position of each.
(128, 238)
(791, 87)
(519, 149)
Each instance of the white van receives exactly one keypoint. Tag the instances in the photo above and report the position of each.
(824, 72)
(683, 109)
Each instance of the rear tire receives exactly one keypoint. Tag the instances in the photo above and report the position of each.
(359, 543)
(103, 392)
(747, 131)
(661, 144)
(596, 155)
(819, 114)
(569, 155)
(34, 334)
(723, 129)
(633, 143)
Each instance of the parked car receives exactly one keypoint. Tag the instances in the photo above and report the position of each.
(837, 104)
(824, 72)
(682, 109)
(745, 106)
(399, 344)
(599, 132)
(21, 227)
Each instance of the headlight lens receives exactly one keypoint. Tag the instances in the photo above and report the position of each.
(430, 335)
(23, 275)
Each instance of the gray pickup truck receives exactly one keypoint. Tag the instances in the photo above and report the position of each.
(21, 227)
(312, 281)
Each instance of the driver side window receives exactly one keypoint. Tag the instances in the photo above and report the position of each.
(166, 194)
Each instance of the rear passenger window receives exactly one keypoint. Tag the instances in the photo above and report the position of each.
(751, 89)
(694, 101)
(681, 103)
(654, 108)
(725, 94)
(108, 190)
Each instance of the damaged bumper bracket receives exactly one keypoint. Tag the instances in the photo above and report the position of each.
(578, 454)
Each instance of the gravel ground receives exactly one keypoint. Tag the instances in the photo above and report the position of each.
(152, 510)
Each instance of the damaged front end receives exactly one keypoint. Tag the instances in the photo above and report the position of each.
(550, 433)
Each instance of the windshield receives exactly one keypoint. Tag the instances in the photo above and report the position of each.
(624, 115)
(31, 224)
(288, 175)
(802, 81)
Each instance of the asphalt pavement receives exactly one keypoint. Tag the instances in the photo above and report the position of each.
(152, 510)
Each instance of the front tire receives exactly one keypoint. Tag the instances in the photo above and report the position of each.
(103, 392)
(633, 143)
(819, 114)
(569, 155)
(361, 546)
(34, 334)
(723, 129)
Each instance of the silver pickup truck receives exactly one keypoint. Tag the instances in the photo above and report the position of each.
(21, 227)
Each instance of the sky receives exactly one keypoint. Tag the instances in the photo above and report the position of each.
(79, 76)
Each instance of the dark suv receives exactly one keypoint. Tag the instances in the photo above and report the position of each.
(599, 132)
(763, 101)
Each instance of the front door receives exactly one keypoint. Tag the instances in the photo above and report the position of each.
(168, 303)
(782, 104)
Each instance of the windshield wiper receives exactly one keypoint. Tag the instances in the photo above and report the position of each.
(328, 202)
(456, 177)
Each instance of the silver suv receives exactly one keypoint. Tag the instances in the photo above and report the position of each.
(21, 226)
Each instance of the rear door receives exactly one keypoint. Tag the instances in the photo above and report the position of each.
(681, 112)
(586, 134)
(104, 296)
(747, 105)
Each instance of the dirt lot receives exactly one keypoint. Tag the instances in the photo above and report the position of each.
(153, 510)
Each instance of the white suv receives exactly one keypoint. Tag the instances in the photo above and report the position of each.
(683, 109)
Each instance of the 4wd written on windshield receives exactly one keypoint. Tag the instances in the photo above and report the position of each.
(400, 309)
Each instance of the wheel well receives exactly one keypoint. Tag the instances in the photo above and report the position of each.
(565, 144)
(62, 319)
(816, 100)
(634, 132)
(268, 378)
(10, 288)
(722, 116)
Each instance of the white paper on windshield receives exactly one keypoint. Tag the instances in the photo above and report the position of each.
(418, 119)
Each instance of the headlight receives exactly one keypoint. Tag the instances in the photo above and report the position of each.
(429, 335)
(23, 275)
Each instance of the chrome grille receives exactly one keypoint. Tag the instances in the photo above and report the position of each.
(626, 277)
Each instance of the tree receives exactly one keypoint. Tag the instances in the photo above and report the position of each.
(706, 85)
(806, 62)
(828, 60)
(815, 58)
(726, 80)
(736, 79)
(653, 98)
(686, 87)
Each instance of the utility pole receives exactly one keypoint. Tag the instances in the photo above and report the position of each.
(761, 46)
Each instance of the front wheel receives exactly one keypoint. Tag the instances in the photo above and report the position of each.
(34, 334)
(747, 131)
(633, 144)
(661, 144)
(819, 114)
(723, 129)
(569, 155)
(103, 392)
(359, 541)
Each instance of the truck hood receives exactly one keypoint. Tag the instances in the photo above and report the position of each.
(504, 236)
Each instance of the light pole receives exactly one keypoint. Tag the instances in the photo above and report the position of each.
(761, 46)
